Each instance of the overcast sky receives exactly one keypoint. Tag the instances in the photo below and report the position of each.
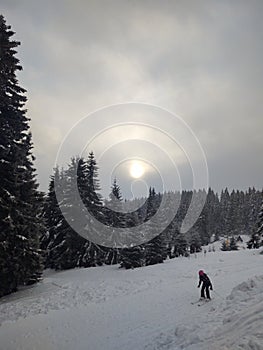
(202, 60)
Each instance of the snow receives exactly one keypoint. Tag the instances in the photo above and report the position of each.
(23, 238)
(146, 308)
(22, 167)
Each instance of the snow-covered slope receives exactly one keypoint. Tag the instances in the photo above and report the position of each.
(147, 308)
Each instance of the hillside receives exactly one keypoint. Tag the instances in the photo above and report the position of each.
(146, 308)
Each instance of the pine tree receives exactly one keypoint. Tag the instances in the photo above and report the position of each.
(54, 219)
(155, 250)
(115, 219)
(180, 245)
(114, 215)
(256, 239)
(194, 242)
(115, 195)
(260, 224)
(253, 203)
(239, 213)
(93, 200)
(65, 250)
(20, 201)
(171, 232)
(233, 214)
(212, 213)
(225, 220)
(132, 255)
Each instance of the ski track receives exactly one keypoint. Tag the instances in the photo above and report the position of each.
(55, 296)
(143, 309)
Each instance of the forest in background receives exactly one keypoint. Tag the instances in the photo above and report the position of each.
(229, 215)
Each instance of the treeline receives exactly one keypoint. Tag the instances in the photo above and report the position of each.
(231, 214)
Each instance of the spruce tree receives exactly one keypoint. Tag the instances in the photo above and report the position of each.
(54, 219)
(89, 191)
(115, 195)
(114, 219)
(260, 224)
(194, 241)
(65, 250)
(256, 239)
(155, 248)
(20, 201)
(253, 204)
(225, 220)
(132, 255)
(93, 198)
(213, 213)
(180, 245)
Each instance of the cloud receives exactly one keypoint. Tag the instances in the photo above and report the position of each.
(199, 59)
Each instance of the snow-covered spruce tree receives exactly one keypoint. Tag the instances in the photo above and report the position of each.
(252, 211)
(185, 201)
(20, 201)
(260, 224)
(225, 219)
(200, 225)
(93, 198)
(68, 249)
(115, 195)
(64, 250)
(180, 245)
(233, 213)
(53, 219)
(132, 255)
(115, 219)
(30, 225)
(171, 231)
(238, 224)
(155, 248)
(212, 214)
(194, 241)
(89, 186)
(256, 239)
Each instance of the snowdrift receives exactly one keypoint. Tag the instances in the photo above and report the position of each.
(242, 320)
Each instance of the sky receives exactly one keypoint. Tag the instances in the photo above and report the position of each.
(183, 74)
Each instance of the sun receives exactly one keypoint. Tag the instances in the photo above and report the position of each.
(137, 170)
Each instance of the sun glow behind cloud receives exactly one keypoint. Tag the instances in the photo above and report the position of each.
(137, 169)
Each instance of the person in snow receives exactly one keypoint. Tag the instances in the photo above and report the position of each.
(203, 278)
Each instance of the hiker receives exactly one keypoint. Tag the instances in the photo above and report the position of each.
(206, 285)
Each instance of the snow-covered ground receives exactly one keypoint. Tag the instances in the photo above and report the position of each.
(107, 308)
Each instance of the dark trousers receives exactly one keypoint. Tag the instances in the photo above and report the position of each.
(205, 290)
